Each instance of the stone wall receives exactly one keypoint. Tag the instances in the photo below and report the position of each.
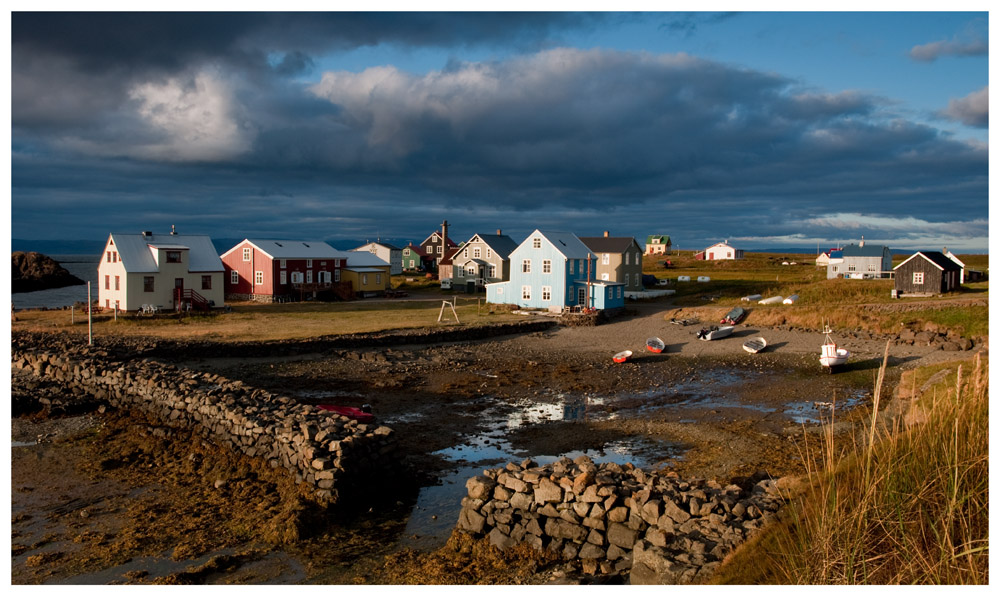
(338, 457)
(656, 527)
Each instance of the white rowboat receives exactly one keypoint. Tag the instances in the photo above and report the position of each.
(755, 345)
(715, 333)
(772, 300)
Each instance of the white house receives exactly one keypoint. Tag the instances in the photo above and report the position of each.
(387, 252)
(169, 271)
(722, 251)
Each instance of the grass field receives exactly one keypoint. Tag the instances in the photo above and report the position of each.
(264, 322)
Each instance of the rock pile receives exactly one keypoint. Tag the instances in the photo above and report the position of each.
(617, 519)
(338, 457)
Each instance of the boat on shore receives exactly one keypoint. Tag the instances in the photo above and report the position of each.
(751, 298)
(772, 300)
(655, 345)
(734, 316)
(830, 355)
(622, 356)
(363, 414)
(791, 299)
(755, 345)
(715, 332)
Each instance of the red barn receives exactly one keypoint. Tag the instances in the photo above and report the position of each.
(280, 270)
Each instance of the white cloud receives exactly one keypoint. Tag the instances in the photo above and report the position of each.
(194, 119)
(972, 110)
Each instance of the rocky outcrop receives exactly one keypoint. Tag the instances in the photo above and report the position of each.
(32, 271)
(340, 459)
(609, 518)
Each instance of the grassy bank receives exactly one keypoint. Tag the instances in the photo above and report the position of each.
(900, 504)
(265, 322)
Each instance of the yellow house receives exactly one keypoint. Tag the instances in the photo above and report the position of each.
(368, 274)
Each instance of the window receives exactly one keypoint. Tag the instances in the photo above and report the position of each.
(117, 283)
(322, 263)
(114, 257)
(378, 279)
(526, 292)
(546, 293)
(406, 252)
(626, 258)
(729, 254)
(107, 282)
(572, 266)
(147, 283)
(336, 275)
(247, 253)
(173, 256)
(546, 266)
(258, 278)
(107, 303)
(364, 279)
(526, 266)
(918, 278)
(465, 253)
(309, 262)
(851, 268)
(871, 267)
(489, 253)
(440, 250)
(309, 276)
(476, 252)
(834, 268)
(109, 256)
(234, 277)
(471, 269)
(499, 291)
(206, 282)
(605, 259)
(282, 263)
(283, 278)
(536, 243)
(604, 276)
(493, 271)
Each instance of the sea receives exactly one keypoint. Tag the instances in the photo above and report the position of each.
(82, 266)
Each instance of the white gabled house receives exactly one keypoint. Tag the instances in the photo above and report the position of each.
(169, 271)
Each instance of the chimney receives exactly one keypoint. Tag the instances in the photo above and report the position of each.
(862, 241)
(498, 232)
(147, 234)
(173, 230)
(444, 234)
(606, 233)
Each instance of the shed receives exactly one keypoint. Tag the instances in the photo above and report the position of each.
(927, 272)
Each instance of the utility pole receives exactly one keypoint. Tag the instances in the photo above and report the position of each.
(90, 318)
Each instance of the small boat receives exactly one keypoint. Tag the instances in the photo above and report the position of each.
(791, 299)
(655, 344)
(772, 300)
(751, 298)
(622, 356)
(755, 345)
(830, 355)
(704, 278)
(684, 322)
(684, 278)
(362, 414)
(715, 332)
(734, 316)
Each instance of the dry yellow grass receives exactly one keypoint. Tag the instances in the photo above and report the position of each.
(267, 322)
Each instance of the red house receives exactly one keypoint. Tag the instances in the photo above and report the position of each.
(281, 270)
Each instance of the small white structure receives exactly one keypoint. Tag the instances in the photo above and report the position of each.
(168, 271)
(722, 251)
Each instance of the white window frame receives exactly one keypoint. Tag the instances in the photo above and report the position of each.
(282, 263)
(283, 277)
(309, 262)
(247, 254)
(493, 271)
(918, 278)
(489, 253)
(852, 267)
(604, 277)
(606, 259)
(546, 266)
(526, 266)
(309, 276)
(336, 275)
(477, 252)
(546, 293)
(364, 279)
(525, 292)
(536, 243)
(378, 279)
(258, 278)
(296, 277)
(234, 277)
(471, 269)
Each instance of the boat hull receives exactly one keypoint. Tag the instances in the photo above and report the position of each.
(655, 345)
(755, 345)
(719, 333)
(622, 356)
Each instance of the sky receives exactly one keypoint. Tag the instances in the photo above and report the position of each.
(767, 129)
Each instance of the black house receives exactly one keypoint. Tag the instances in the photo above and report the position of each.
(927, 273)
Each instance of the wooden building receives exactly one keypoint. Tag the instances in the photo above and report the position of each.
(280, 270)
(927, 272)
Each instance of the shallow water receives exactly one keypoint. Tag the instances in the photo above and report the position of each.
(84, 267)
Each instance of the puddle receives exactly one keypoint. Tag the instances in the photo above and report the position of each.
(815, 412)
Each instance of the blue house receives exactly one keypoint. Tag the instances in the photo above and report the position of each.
(554, 270)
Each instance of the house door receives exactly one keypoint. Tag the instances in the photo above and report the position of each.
(582, 297)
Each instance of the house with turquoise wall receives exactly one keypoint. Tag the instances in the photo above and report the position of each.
(553, 270)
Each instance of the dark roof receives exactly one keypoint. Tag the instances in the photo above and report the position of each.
(940, 260)
(416, 249)
(868, 250)
(501, 244)
(615, 245)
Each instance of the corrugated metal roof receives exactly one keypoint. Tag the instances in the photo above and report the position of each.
(364, 270)
(295, 249)
(501, 244)
(868, 250)
(566, 243)
(616, 245)
(386, 245)
(363, 259)
(136, 257)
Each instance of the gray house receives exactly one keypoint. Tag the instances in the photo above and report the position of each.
(387, 252)
(619, 259)
(483, 259)
(860, 261)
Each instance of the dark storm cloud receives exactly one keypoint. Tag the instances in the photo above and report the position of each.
(216, 138)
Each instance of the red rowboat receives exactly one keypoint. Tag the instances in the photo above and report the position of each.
(362, 414)
(622, 356)
(655, 344)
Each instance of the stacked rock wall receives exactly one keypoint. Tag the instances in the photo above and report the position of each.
(611, 518)
(336, 456)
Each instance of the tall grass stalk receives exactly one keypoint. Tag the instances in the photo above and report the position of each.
(906, 503)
